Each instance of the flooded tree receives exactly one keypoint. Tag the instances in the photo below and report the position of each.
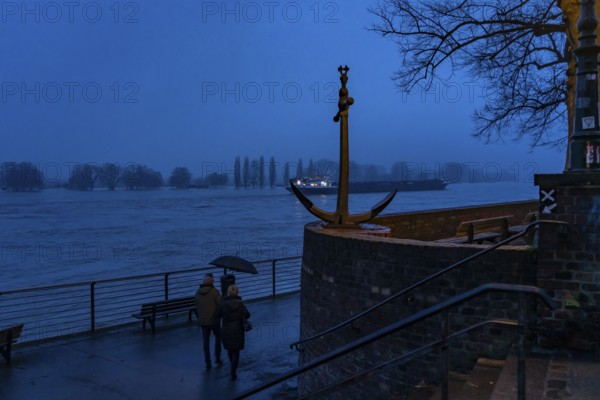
(237, 173)
(140, 177)
(84, 176)
(254, 173)
(261, 172)
(20, 177)
(246, 172)
(110, 175)
(180, 178)
(286, 173)
(272, 172)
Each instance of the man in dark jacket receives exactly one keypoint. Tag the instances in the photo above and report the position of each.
(208, 301)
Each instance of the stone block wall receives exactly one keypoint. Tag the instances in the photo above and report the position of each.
(345, 272)
(569, 260)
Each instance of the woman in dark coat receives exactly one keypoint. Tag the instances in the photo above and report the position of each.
(233, 312)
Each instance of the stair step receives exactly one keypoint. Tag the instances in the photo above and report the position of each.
(477, 385)
(481, 381)
(456, 381)
(536, 371)
(425, 391)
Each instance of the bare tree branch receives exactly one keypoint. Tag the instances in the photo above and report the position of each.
(518, 48)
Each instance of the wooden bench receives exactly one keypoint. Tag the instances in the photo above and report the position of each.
(150, 311)
(481, 230)
(8, 337)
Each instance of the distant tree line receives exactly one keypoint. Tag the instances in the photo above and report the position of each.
(26, 176)
(252, 173)
(132, 177)
(454, 172)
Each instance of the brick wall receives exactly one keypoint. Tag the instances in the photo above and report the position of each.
(569, 261)
(345, 272)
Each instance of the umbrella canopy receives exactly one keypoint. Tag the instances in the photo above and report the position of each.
(234, 263)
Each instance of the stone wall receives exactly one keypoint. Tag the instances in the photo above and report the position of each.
(569, 260)
(346, 271)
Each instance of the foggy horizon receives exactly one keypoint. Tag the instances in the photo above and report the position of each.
(198, 83)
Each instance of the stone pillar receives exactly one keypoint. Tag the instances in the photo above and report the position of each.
(569, 260)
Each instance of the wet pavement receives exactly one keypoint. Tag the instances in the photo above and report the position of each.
(128, 363)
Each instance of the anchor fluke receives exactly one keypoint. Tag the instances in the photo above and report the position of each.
(375, 210)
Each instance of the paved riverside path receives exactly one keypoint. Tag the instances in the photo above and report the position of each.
(128, 363)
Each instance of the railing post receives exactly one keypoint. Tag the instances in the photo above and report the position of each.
(167, 286)
(92, 307)
(445, 359)
(521, 347)
(273, 276)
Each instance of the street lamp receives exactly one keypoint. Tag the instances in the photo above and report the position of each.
(585, 145)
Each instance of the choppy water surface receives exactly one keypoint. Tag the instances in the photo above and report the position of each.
(59, 236)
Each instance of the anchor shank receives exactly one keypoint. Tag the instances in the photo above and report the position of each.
(343, 176)
(344, 104)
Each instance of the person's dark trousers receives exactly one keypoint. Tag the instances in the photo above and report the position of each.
(234, 360)
(216, 329)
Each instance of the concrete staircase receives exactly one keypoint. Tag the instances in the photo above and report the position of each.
(549, 376)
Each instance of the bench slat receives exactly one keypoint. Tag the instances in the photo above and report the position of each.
(149, 311)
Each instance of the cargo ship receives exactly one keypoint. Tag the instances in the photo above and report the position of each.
(324, 186)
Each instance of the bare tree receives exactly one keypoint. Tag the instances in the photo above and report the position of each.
(246, 172)
(522, 50)
(286, 173)
(83, 177)
(140, 177)
(180, 178)
(299, 169)
(272, 172)
(237, 173)
(18, 177)
(261, 172)
(110, 175)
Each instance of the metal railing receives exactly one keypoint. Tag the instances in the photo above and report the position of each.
(83, 307)
(439, 308)
(413, 354)
(298, 344)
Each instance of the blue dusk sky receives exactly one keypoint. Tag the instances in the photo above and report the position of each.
(196, 83)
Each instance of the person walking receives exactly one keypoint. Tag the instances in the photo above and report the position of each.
(233, 312)
(208, 301)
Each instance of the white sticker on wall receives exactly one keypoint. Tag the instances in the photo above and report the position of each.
(588, 122)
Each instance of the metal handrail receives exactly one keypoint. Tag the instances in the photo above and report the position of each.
(409, 356)
(460, 263)
(86, 307)
(396, 326)
(132, 277)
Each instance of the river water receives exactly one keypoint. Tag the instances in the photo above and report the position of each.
(61, 236)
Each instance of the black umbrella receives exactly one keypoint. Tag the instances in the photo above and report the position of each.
(234, 263)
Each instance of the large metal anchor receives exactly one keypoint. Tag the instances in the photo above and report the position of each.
(341, 218)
